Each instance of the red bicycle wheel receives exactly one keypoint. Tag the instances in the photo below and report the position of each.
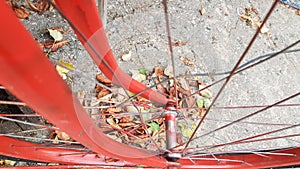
(247, 136)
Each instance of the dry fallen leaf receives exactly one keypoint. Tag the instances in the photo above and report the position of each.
(103, 92)
(54, 46)
(55, 34)
(113, 110)
(179, 43)
(129, 124)
(126, 119)
(143, 136)
(136, 75)
(41, 6)
(206, 92)
(251, 17)
(162, 89)
(202, 11)
(10, 162)
(102, 79)
(127, 56)
(62, 135)
(63, 68)
(141, 99)
(20, 11)
(158, 72)
(112, 122)
(186, 130)
(187, 61)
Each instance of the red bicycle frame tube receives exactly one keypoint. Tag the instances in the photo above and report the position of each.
(84, 18)
(38, 152)
(27, 73)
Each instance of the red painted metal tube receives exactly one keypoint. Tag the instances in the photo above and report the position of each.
(84, 17)
(38, 152)
(27, 73)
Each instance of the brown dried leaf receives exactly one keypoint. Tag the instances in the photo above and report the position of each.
(179, 43)
(251, 17)
(129, 124)
(161, 88)
(103, 93)
(41, 6)
(187, 61)
(21, 12)
(54, 46)
(97, 88)
(202, 112)
(47, 45)
(57, 28)
(158, 71)
(32, 6)
(141, 99)
(102, 79)
(126, 119)
(143, 136)
(113, 110)
(63, 136)
(160, 121)
(57, 45)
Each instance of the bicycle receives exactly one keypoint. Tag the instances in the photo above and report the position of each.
(49, 104)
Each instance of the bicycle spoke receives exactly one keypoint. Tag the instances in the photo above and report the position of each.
(250, 115)
(247, 140)
(103, 54)
(28, 123)
(126, 119)
(232, 72)
(248, 67)
(165, 4)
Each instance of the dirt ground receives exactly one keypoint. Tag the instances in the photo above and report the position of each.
(214, 38)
